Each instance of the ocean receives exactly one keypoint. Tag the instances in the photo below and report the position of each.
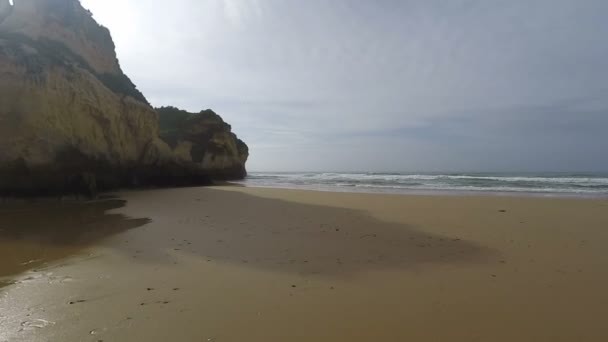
(541, 184)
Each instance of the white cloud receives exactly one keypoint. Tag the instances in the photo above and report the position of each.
(291, 74)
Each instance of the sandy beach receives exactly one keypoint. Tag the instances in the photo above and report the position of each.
(231, 263)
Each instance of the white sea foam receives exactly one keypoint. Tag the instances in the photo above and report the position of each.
(588, 184)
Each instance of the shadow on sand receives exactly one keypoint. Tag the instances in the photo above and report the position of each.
(35, 233)
(281, 236)
(227, 227)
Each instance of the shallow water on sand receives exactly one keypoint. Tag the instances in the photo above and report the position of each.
(37, 233)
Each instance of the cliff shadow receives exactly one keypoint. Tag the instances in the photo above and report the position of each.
(35, 233)
(280, 236)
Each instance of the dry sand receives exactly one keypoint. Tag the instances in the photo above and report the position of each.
(242, 264)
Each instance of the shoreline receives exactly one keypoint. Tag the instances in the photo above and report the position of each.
(230, 263)
(112, 194)
(591, 185)
(439, 193)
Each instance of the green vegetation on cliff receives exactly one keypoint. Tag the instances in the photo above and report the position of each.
(176, 123)
(39, 55)
(210, 140)
(171, 122)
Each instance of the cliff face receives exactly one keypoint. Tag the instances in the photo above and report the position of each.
(68, 23)
(70, 119)
(206, 140)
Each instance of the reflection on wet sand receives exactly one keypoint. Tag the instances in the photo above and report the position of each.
(36, 233)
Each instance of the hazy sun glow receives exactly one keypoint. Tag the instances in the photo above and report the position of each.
(120, 17)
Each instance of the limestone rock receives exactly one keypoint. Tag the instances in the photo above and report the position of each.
(68, 23)
(206, 140)
(70, 119)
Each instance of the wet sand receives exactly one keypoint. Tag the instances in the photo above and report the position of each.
(244, 264)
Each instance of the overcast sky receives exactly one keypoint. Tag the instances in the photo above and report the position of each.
(347, 85)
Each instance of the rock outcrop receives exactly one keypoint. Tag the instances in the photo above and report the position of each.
(206, 140)
(70, 119)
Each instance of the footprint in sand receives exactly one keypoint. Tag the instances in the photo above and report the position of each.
(35, 324)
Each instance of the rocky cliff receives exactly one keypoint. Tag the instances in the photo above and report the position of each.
(204, 139)
(70, 119)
